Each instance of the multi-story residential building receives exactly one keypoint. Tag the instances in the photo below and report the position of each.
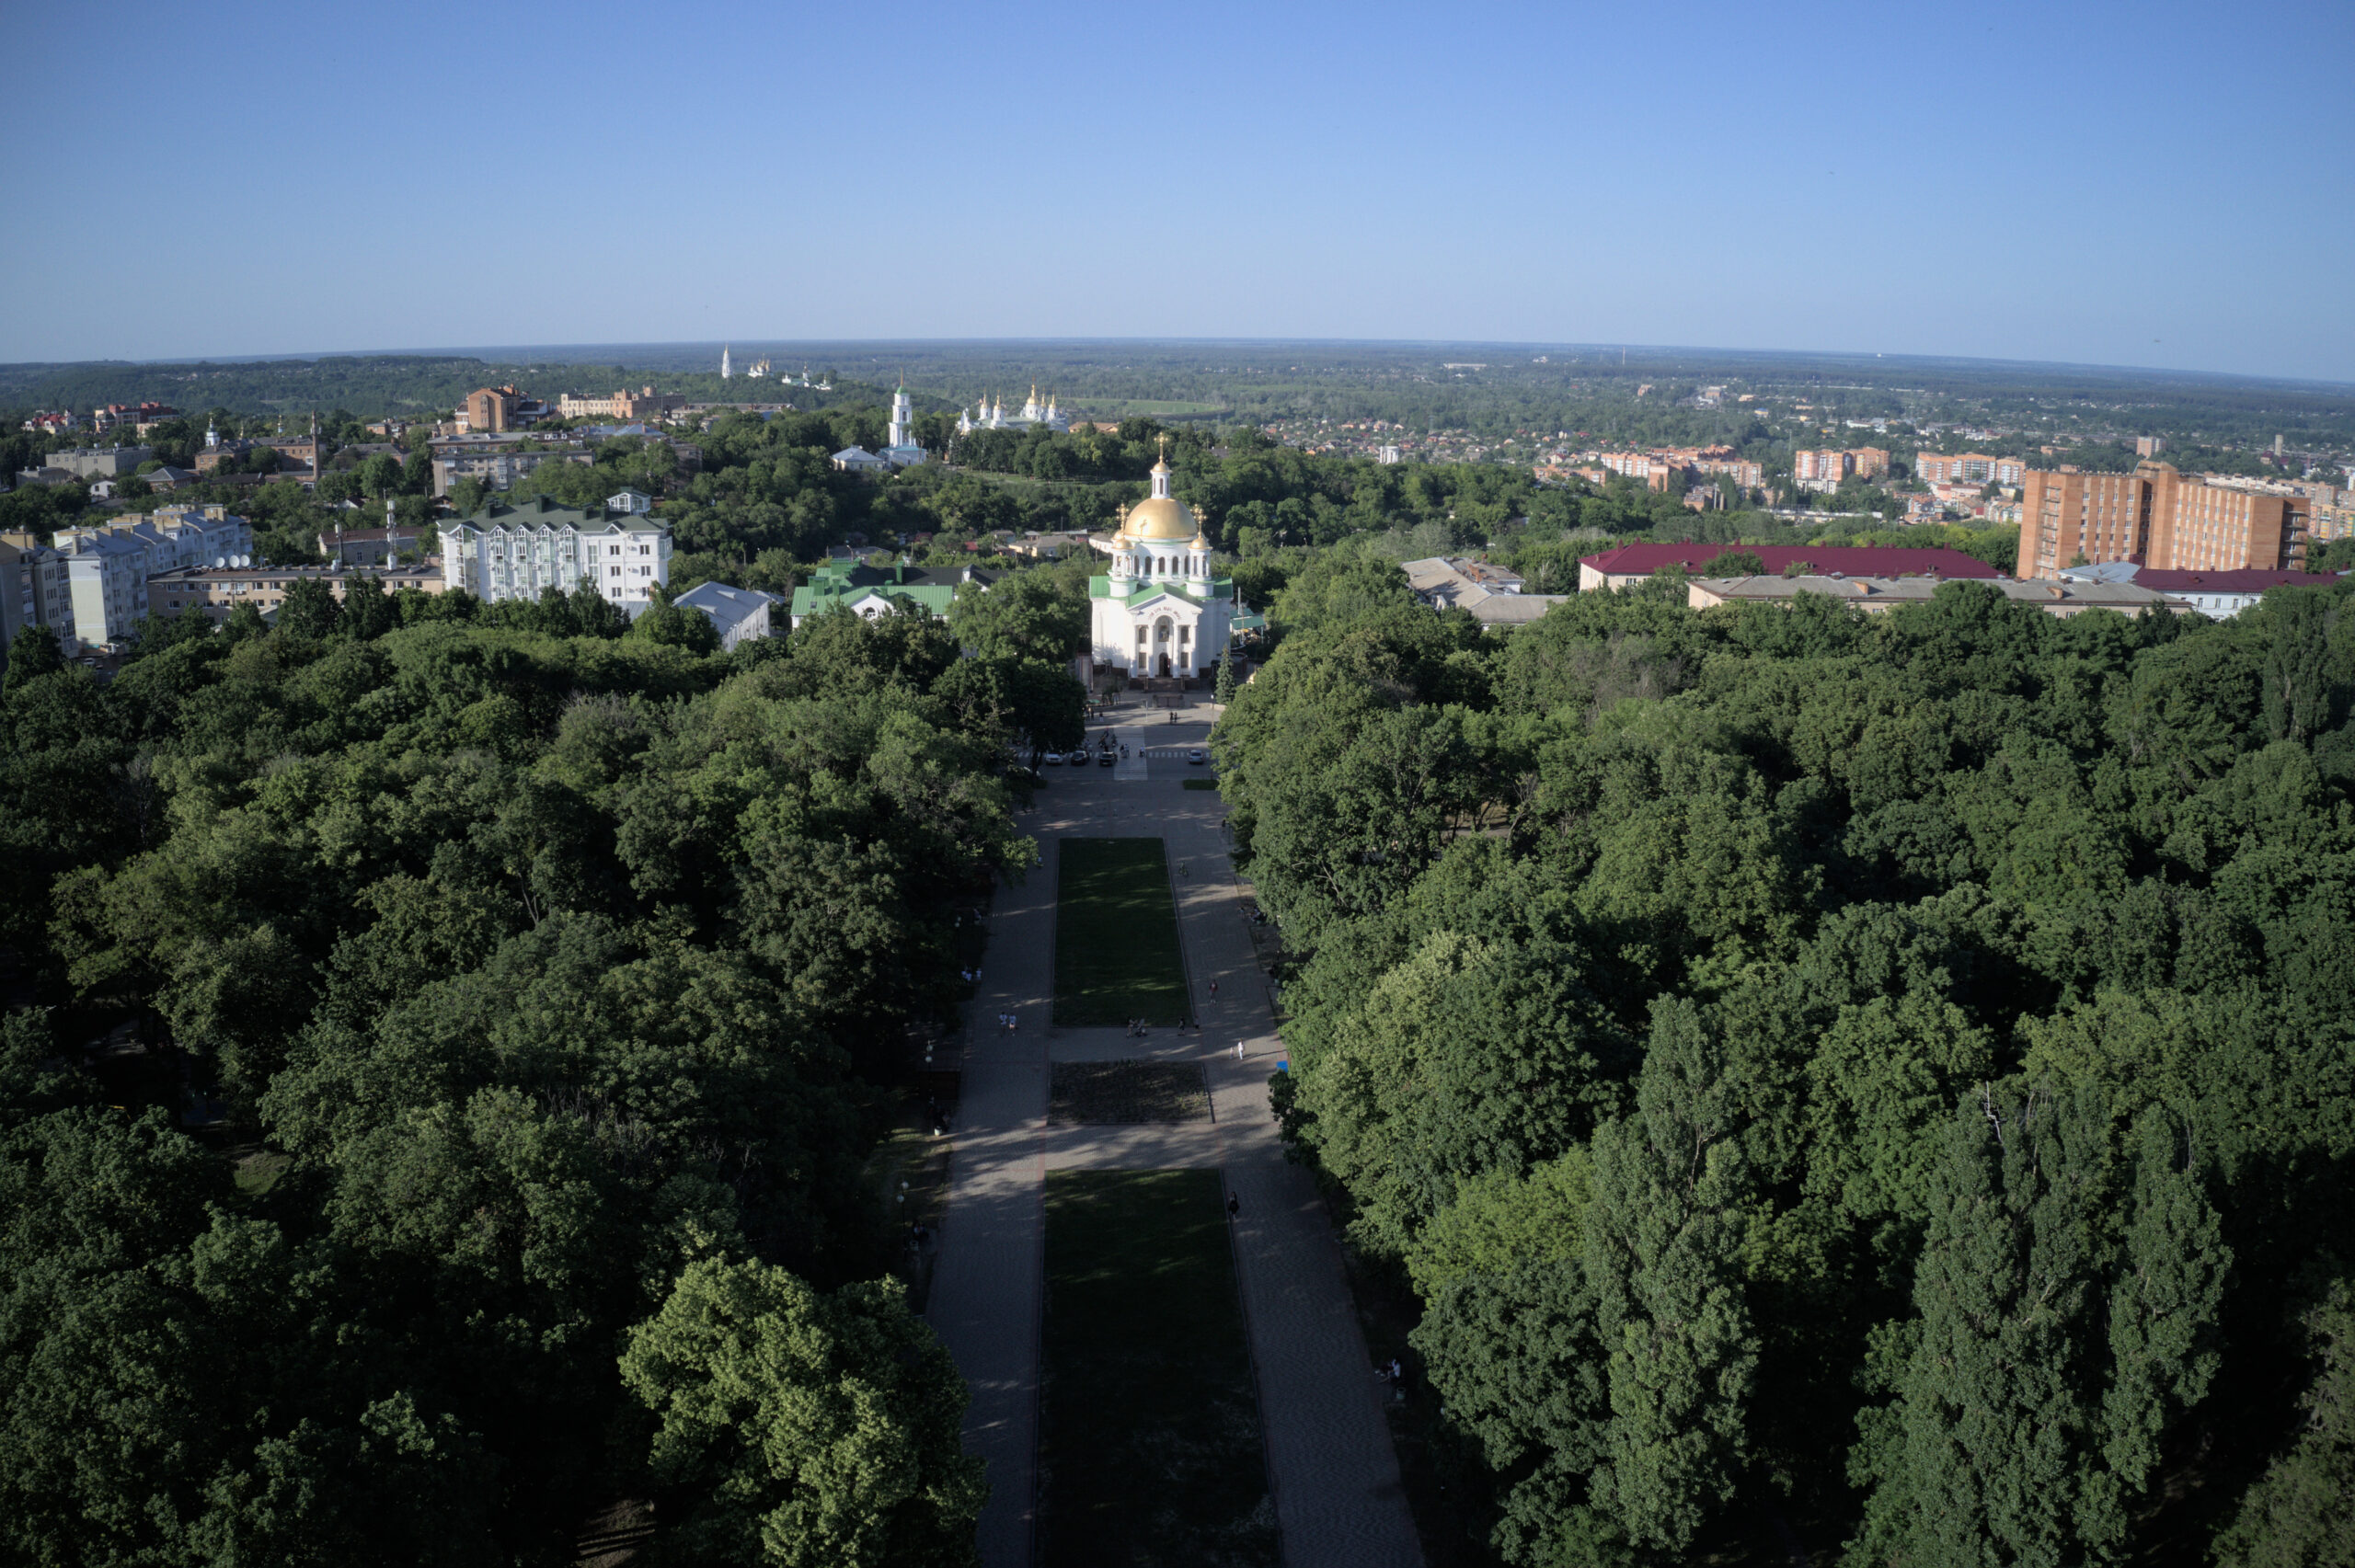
(644, 404)
(504, 552)
(369, 546)
(106, 566)
(1868, 461)
(2161, 518)
(174, 536)
(16, 589)
(39, 585)
(107, 578)
(496, 461)
(217, 590)
(1821, 470)
(100, 461)
(1968, 468)
(491, 408)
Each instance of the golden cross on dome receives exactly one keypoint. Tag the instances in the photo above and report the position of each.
(1165, 447)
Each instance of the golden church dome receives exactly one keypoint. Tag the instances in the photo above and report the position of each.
(1161, 518)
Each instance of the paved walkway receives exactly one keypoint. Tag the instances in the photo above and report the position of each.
(1337, 1496)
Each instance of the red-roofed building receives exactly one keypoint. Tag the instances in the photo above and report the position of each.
(2223, 594)
(1632, 563)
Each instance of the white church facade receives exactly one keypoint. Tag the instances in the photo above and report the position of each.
(1158, 612)
(902, 451)
(992, 415)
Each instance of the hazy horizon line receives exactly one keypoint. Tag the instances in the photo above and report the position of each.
(578, 352)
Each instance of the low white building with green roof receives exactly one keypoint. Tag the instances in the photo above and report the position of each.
(875, 590)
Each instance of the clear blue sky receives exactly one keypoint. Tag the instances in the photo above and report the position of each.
(2123, 184)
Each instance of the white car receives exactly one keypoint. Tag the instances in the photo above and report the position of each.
(1196, 754)
(1052, 758)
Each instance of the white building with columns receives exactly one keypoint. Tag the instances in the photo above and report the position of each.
(1158, 612)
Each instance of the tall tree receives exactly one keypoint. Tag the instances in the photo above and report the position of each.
(2055, 1341)
(802, 1429)
(1663, 1250)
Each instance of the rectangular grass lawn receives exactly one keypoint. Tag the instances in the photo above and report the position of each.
(1115, 936)
(1149, 1451)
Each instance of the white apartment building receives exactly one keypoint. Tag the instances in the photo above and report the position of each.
(106, 566)
(503, 553)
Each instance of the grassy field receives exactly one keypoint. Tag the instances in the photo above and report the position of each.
(1115, 936)
(1150, 1451)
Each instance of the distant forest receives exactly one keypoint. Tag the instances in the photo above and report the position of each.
(1532, 388)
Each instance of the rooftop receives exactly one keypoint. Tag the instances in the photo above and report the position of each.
(1847, 560)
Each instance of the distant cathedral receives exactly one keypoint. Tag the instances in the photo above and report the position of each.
(993, 416)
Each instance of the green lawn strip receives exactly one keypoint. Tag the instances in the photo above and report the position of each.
(1150, 1451)
(1200, 784)
(1115, 936)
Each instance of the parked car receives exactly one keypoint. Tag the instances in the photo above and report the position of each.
(1196, 754)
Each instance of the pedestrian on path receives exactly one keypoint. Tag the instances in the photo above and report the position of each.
(1238, 1050)
(1233, 1206)
(1214, 990)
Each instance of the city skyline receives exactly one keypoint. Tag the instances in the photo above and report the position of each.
(1836, 180)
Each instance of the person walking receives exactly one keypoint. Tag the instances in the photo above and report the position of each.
(1233, 1206)
(1214, 990)
(1238, 1050)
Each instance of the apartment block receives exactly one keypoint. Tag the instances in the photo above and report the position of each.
(1968, 468)
(1821, 470)
(2159, 518)
(98, 463)
(504, 552)
(215, 591)
(643, 404)
(39, 586)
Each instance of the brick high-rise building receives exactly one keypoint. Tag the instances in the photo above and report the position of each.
(491, 408)
(2165, 519)
(1820, 469)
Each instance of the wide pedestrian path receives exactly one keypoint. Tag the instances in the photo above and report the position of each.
(1335, 1474)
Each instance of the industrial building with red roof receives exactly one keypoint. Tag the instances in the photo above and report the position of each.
(1633, 563)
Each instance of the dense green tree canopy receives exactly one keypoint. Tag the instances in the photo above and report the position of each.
(1889, 1072)
(493, 991)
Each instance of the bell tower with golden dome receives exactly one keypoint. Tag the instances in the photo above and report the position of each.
(1158, 612)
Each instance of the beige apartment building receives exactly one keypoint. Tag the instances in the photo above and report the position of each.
(2160, 517)
(1968, 468)
(645, 404)
(217, 590)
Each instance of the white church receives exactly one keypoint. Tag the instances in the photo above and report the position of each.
(904, 451)
(992, 415)
(1158, 613)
